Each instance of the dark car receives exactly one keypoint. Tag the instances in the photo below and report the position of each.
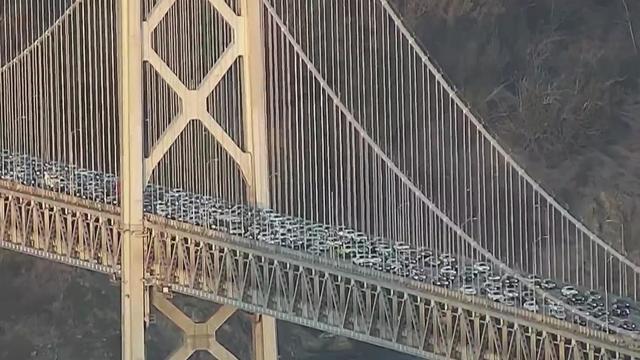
(619, 303)
(441, 283)
(548, 284)
(620, 312)
(577, 299)
(629, 326)
(598, 313)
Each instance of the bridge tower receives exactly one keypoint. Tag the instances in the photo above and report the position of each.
(135, 49)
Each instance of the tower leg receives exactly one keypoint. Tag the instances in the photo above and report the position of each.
(265, 345)
(133, 287)
(265, 341)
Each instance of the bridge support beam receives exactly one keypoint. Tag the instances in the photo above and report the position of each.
(132, 186)
(196, 336)
(265, 344)
(202, 336)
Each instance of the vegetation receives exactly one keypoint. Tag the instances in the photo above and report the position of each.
(558, 82)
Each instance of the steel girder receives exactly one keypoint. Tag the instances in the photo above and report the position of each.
(430, 322)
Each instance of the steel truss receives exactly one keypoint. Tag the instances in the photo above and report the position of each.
(428, 322)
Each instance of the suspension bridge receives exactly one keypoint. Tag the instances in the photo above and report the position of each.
(296, 160)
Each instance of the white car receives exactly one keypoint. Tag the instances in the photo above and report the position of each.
(492, 285)
(569, 291)
(510, 293)
(448, 270)
(531, 306)
(360, 261)
(447, 259)
(468, 290)
(482, 267)
(433, 261)
(558, 313)
(507, 301)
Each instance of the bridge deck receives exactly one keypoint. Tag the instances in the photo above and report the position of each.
(323, 293)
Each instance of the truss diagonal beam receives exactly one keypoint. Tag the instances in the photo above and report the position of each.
(242, 158)
(163, 144)
(226, 12)
(158, 13)
(196, 336)
(181, 353)
(219, 69)
(167, 307)
(220, 317)
(164, 70)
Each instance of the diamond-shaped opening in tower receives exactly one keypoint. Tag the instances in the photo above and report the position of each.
(191, 38)
(161, 105)
(226, 103)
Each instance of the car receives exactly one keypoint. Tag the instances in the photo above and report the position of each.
(494, 294)
(491, 285)
(620, 312)
(468, 290)
(417, 277)
(579, 320)
(448, 270)
(510, 280)
(448, 259)
(424, 253)
(569, 291)
(628, 325)
(534, 279)
(598, 313)
(441, 283)
(531, 305)
(433, 261)
(548, 284)
(383, 248)
(507, 301)
(471, 271)
(558, 312)
(593, 295)
(583, 311)
(482, 267)
(577, 299)
(511, 293)
(528, 295)
(494, 278)
(466, 278)
(620, 303)
(594, 304)
(449, 276)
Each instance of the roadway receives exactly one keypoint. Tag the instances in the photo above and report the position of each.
(453, 271)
